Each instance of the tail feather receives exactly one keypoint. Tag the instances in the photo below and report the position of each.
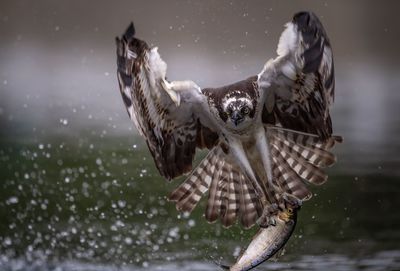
(250, 208)
(214, 195)
(231, 201)
(188, 194)
(234, 197)
(230, 193)
(224, 187)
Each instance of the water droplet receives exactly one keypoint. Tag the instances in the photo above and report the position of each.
(98, 161)
(64, 121)
(12, 200)
(121, 203)
(128, 241)
(191, 223)
(7, 241)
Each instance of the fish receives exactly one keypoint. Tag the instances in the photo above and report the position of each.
(267, 242)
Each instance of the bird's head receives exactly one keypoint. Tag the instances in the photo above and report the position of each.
(238, 110)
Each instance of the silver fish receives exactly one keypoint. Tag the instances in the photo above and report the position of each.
(267, 242)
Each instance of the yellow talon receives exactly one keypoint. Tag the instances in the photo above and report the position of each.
(287, 214)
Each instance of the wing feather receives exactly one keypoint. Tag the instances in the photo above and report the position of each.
(299, 84)
(165, 113)
(299, 158)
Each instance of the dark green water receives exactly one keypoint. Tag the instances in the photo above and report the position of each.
(97, 203)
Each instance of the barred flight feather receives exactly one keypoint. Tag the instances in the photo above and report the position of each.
(224, 187)
(235, 197)
(250, 206)
(214, 196)
(188, 194)
(230, 194)
(302, 167)
(299, 157)
(287, 178)
(317, 156)
(153, 105)
(305, 139)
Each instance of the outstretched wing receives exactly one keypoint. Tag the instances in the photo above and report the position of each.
(298, 86)
(169, 115)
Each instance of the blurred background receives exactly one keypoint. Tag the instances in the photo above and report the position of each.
(78, 188)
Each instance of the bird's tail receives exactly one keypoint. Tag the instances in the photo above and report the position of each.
(230, 194)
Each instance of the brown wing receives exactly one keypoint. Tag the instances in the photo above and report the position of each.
(299, 84)
(162, 111)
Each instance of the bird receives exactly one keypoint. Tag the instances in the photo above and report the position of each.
(268, 136)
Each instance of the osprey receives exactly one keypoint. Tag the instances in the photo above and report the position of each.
(268, 135)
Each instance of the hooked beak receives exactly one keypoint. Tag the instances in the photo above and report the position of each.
(236, 118)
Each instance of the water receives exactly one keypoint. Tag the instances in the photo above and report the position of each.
(98, 204)
(386, 260)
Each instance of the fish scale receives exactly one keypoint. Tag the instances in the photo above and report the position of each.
(267, 242)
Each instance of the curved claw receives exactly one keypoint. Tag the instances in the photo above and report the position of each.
(290, 201)
(267, 217)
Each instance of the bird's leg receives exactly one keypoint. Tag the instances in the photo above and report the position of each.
(283, 201)
(267, 218)
(238, 152)
(287, 201)
(263, 148)
(265, 154)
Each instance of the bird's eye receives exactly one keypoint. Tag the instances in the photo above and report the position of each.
(245, 110)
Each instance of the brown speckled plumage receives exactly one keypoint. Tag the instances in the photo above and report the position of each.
(288, 102)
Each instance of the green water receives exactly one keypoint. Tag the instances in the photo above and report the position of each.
(99, 202)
